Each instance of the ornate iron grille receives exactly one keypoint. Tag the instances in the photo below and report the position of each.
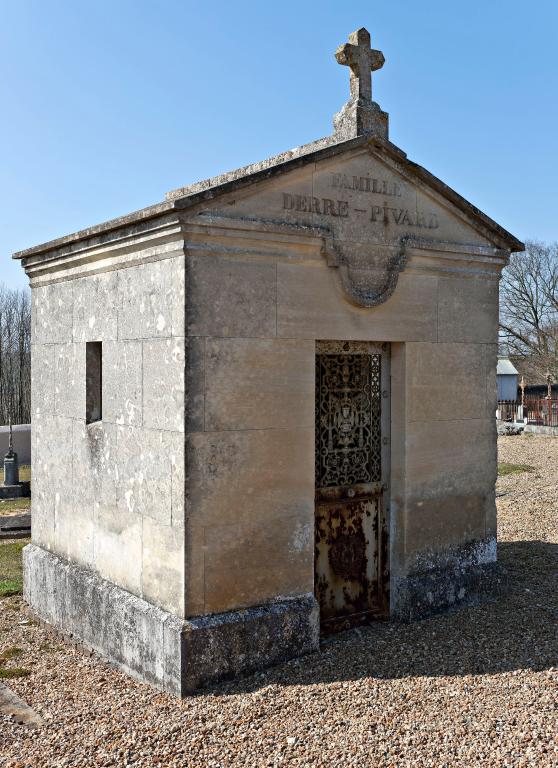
(348, 425)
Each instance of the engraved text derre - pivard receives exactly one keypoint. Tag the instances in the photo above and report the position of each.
(386, 213)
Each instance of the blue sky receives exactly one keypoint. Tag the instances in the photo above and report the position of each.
(107, 105)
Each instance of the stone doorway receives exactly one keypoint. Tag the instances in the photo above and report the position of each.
(352, 471)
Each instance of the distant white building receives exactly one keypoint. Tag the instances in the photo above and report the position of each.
(507, 379)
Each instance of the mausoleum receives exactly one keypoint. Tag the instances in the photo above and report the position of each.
(264, 408)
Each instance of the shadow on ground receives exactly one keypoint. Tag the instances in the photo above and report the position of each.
(519, 630)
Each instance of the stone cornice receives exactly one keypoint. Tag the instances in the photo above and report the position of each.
(204, 192)
(241, 237)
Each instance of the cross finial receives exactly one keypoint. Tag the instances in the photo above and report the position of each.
(360, 115)
(362, 60)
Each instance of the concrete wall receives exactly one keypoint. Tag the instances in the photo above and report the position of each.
(21, 439)
(110, 495)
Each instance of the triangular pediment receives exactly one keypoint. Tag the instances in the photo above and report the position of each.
(362, 194)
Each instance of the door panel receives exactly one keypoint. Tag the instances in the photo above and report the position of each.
(352, 403)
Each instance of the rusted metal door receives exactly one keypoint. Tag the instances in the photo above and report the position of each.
(352, 449)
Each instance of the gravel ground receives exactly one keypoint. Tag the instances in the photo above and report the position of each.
(476, 687)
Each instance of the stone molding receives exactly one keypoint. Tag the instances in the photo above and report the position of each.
(212, 234)
(372, 279)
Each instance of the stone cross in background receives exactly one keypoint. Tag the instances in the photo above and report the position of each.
(362, 60)
(360, 115)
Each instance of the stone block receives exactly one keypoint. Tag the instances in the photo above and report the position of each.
(463, 575)
(450, 477)
(490, 363)
(259, 384)
(277, 199)
(451, 458)
(253, 480)
(118, 547)
(311, 304)
(194, 396)
(52, 478)
(230, 297)
(69, 380)
(74, 531)
(239, 642)
(447, 381)
(78, 601)
(147, 299)
(42, 380)
(163, 566)
(468, 310)
(122, 383)
(234, 476)
(144, 469)
(163, 384)
(178, 295)
(255, 560)
(176, 452)
(94, 465)
(95, 316)
(52, 314)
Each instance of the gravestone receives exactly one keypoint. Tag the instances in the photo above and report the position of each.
(257, 380)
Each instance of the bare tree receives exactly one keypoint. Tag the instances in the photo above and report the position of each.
(15, 356)
(529, 309)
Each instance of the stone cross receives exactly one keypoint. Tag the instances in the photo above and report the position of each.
(362, 61)
(360, 116)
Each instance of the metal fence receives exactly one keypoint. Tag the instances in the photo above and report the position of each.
(542, 411)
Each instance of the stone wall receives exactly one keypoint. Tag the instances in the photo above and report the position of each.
(110, 495)
(253, 316)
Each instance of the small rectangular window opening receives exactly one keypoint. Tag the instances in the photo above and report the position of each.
(93, 381)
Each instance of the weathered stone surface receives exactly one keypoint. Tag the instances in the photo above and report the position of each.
(162, 566)
(449, 381)
(247, 489)
(228, 644)
(194, 395)
(196, 490)
(281, 559)
(52, 314)
(230, 297)
(123, 383)
(311, 305)
(451, 456)
(42, 380)
(163, 384)
(69, 381)
(52, 482)
(156, 646)
(144, 468)
(175, 448)
(147, 300)
(259, 384)
(118, 547)
(464, 575)
(95, 311)
(457, 320)
(76, 600)
(178, 294)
